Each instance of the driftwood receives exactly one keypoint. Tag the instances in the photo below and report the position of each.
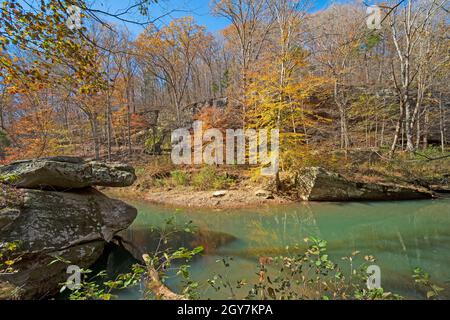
(154, 284)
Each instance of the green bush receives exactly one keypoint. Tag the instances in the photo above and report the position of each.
(154, 142)
(223, 182)
(179, 178)
(208, 178)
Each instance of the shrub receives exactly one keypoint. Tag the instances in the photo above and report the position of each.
(179, 178)
(8, 256)
(203, 179)
(208, 178)
(223, 182)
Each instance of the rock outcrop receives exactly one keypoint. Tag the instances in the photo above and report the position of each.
(436, 184)
(56, 228)
(64, 173)
(317, 184)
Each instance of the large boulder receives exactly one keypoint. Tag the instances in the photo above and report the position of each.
(70, 226)
(438, 184)
(65, 173)
(318, 184)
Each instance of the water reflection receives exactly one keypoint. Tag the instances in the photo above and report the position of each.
(401, 235)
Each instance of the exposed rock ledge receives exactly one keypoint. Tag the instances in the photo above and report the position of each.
(67, 173)
(71, 225)
(317, 184)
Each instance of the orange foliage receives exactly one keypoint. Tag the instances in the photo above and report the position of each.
(37, 135)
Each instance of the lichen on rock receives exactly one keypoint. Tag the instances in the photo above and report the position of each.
(71, 225)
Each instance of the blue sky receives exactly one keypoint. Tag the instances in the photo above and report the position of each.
(199, 9)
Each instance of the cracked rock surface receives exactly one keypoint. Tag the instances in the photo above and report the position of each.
(318, 184)
(65, 173)
(72, 226)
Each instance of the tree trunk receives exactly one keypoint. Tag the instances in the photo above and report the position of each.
(418, 133)
(108, 124)
(128, 121)
(409, 123)
(426, 124)
(383, 123)
(94, 128)
(343, 119)
(442, 123)
(398, 130)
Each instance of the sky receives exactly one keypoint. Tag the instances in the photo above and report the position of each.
(199, 9)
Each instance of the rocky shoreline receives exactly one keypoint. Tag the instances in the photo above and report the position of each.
(52, 207)
(188, 198)
(309, 184)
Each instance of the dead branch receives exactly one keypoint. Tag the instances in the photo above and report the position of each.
(154, 284)
(430, 158)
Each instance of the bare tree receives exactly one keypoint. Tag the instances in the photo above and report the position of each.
(251, 26)
(406, 35)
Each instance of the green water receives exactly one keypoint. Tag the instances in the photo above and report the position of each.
(401, 235)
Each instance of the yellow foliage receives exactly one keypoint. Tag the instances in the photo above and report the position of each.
(281, 95)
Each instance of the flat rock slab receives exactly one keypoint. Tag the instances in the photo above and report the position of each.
(318, 184)
(219, 194)
(65, 173)
(264, 194)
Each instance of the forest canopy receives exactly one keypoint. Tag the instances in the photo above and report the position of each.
(324, 78)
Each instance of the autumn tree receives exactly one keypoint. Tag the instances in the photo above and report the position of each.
(281, 89)
(247, 33)
(334, 35)
(169, 55)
